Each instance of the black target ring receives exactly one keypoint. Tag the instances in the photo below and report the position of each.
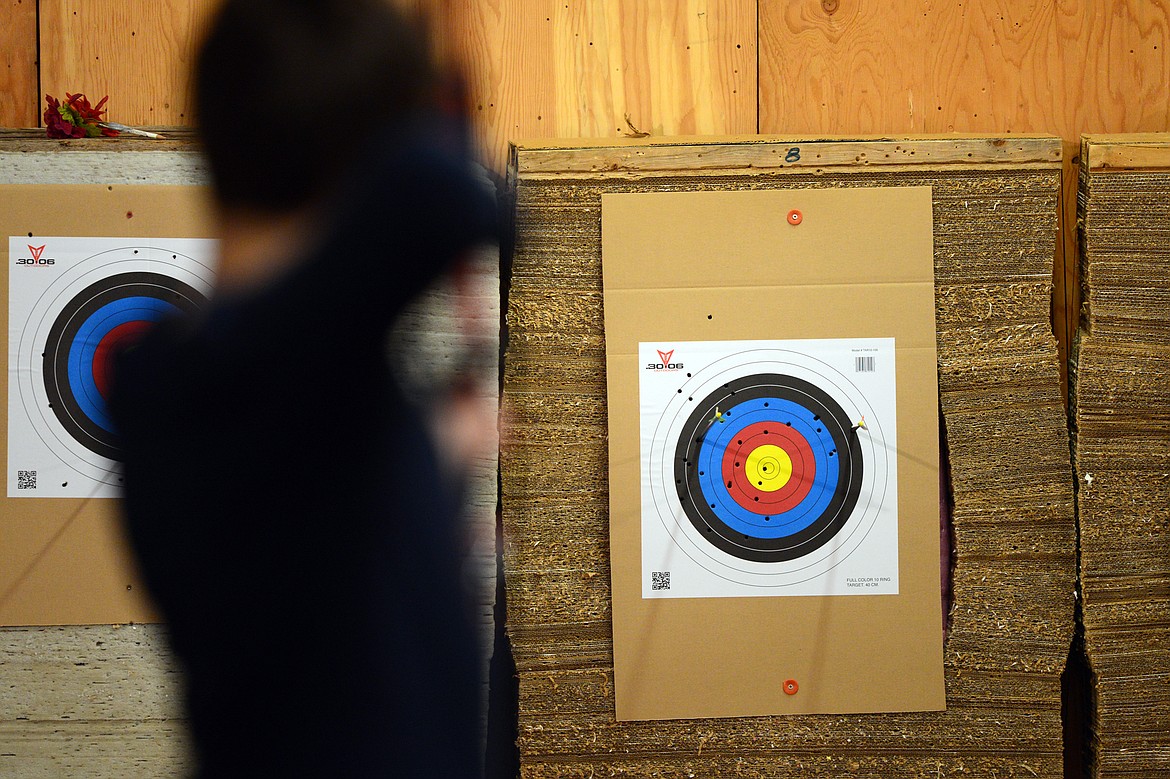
(694, 489)
(127, 300)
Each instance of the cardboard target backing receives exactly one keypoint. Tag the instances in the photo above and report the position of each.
(121, 258)
(773, 434)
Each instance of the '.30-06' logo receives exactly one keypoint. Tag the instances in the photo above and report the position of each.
(36, 258)
(664, 363)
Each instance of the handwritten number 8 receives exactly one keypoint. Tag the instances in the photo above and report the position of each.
(793, 154)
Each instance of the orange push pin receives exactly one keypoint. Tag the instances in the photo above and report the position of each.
(790, 687)
(795, 217)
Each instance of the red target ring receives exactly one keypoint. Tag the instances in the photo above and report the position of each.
(112, 344)
(799, 482)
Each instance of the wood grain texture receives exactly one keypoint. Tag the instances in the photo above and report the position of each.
(991, 66)
(19, 100)
(1137, 152)
(994, 66)
(571, 68)
(717, 156)
(138, 54)
(98, 701)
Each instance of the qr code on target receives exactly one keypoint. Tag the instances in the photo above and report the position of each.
(660, 580)
(26, 480)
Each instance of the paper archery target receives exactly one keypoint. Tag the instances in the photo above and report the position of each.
(90, 330)
(71, 317)
(768, 467)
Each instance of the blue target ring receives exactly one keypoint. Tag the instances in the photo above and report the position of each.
(793, 516)
(723, 434)
(84, 348)
(102, 318)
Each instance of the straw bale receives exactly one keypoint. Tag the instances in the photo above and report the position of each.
(1121, 396)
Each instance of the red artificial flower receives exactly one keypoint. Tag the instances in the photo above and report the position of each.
(76, 118)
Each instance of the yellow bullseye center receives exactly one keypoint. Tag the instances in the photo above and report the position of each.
(769, 467)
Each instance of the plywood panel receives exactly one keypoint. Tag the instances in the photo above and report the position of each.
(18, 63)
(577, 68)
(992, 66)
(138, 54)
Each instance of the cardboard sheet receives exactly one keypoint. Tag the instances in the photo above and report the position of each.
(63, 559)
(773, 419)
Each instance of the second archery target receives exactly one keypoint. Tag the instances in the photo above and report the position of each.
(769, 468)
(74, 304)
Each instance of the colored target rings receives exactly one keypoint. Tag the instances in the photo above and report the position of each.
(91, 328)
(768, 467)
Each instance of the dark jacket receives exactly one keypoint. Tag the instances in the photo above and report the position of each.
(286, 505)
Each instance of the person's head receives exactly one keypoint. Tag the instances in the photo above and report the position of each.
(290, 94)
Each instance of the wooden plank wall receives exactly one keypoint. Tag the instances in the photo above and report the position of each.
(558, 69)
(18, 63)
(140, 58)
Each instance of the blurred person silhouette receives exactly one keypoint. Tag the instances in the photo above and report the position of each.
(286, 503)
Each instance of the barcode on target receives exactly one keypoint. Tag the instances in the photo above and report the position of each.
(865, 364)
(660, 580)
(26, 480)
